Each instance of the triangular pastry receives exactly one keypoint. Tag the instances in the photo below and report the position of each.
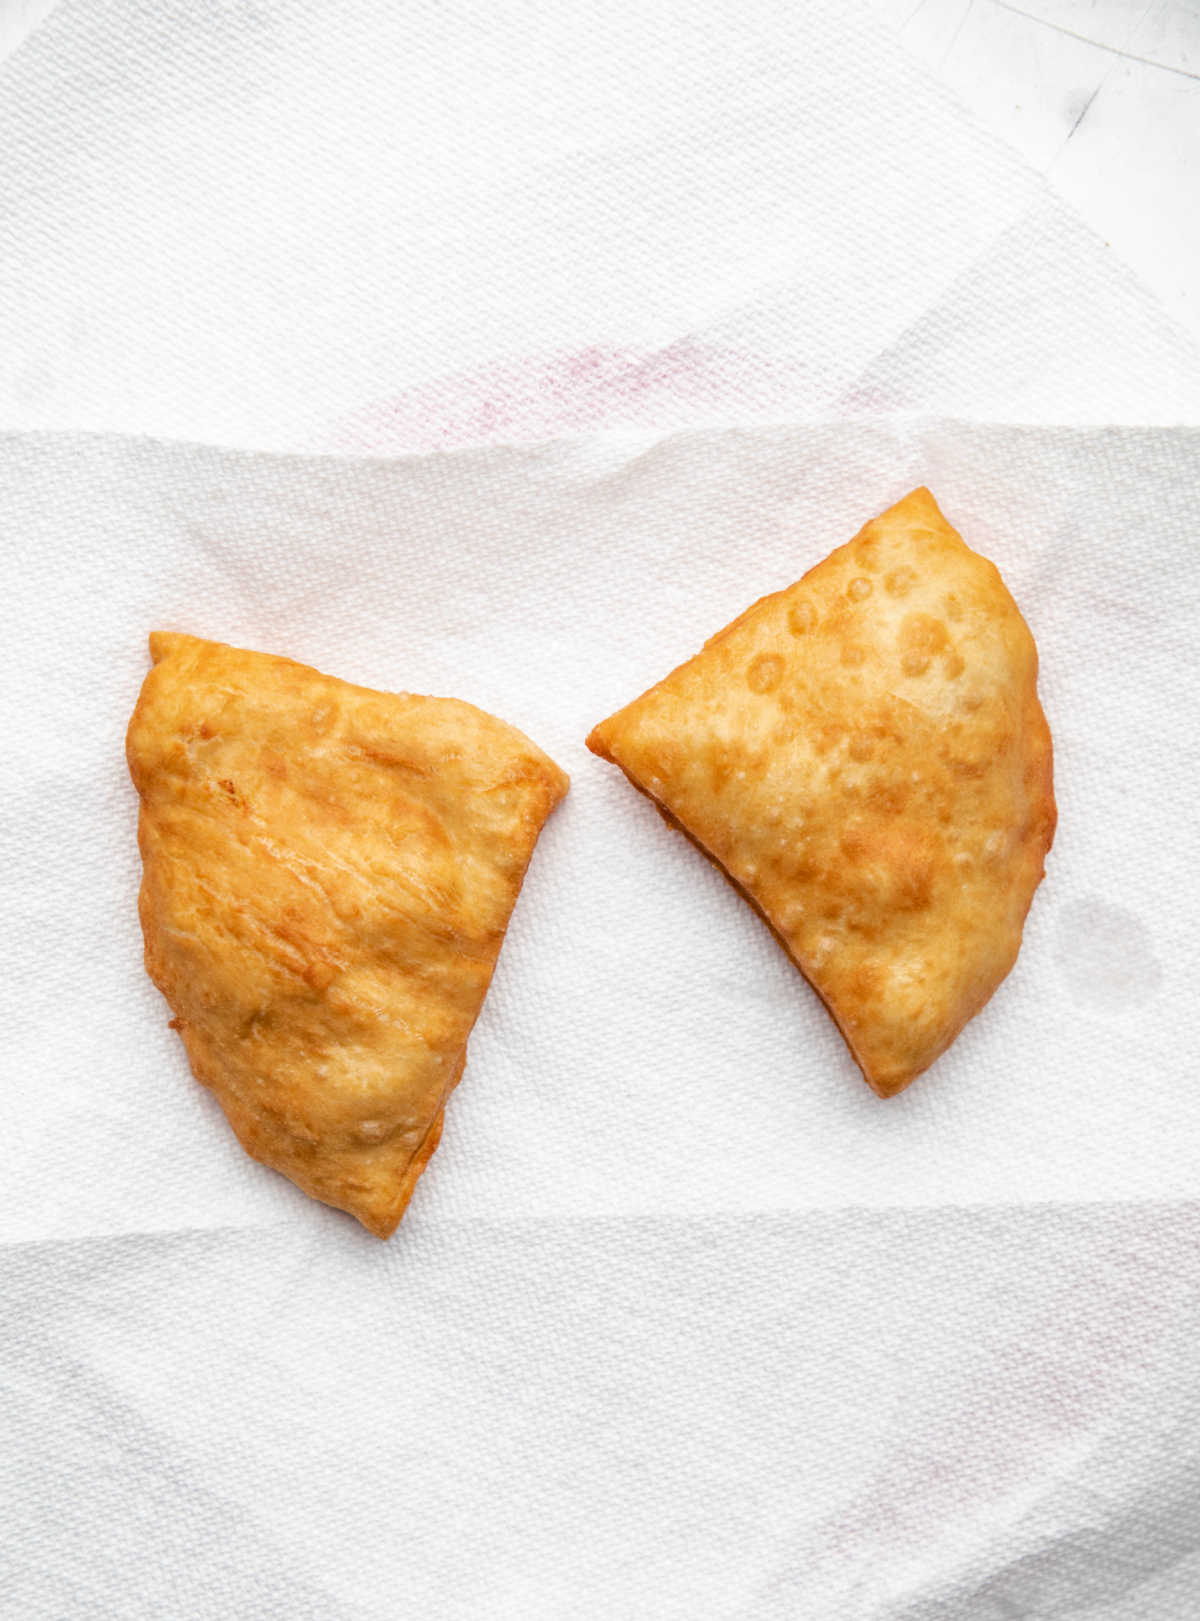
(865, 756)
(328, 876)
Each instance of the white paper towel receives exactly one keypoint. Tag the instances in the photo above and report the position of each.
(683, 1320)
(384, 227)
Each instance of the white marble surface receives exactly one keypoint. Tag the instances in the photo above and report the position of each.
(1101, 96)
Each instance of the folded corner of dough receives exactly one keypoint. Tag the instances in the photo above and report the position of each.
(865, 756)
(328, 874)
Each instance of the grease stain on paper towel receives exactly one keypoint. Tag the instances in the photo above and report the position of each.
(1105, 954)
(541, 397)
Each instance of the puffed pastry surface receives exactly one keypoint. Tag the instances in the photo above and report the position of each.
(865, 756)
(328, 874)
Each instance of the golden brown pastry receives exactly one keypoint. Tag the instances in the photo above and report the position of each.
(865, 756)
(328, 875)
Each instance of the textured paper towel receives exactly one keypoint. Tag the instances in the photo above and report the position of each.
(675, 1325)
(682, 1322)
(383, 227)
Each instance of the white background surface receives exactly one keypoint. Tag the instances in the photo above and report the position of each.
(1102, 97)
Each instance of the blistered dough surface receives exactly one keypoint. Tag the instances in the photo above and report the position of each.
(866, 756)
(328, 874)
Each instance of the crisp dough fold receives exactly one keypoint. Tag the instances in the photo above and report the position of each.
(865, 756)
(328, 874)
